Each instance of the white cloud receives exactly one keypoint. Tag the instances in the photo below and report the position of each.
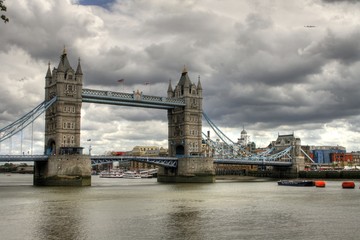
(259, 66)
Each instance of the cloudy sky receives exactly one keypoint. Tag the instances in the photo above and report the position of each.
(261, 65)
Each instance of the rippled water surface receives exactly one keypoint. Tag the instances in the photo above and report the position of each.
(145, 209)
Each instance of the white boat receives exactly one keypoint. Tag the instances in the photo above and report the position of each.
(145, 174)
(111, 174)
(131, 175)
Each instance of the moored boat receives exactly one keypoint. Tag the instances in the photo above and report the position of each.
(145, 174)
(296, 183)
(348, 184)
(111, 174)
(131, 175)
(320, 183)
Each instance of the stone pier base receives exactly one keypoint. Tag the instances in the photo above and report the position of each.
(63, 170)
(189, 170)
(279, 172)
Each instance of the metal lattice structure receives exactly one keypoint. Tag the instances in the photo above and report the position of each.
(135, 99)
(97, 160)
(169, 162)
(25, 120)
(282, 158)
(229, 152)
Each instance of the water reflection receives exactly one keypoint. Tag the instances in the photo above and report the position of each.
(61, 217)
(144, 209)
(184, 222)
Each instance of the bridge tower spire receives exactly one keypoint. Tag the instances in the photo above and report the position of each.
(185, 123)
(66, 164)
(62, 120)
(185, 135)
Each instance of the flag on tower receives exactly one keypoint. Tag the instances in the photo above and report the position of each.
(121, 80)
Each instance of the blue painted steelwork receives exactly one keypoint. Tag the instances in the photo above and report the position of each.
(25, 120)
(160, 161)
(267, 152)
(281, 158)
(97, 160)
(130, 99)
(138, 100)
(218, 132)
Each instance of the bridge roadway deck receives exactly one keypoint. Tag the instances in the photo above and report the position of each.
(262, 162)
(161, 161)
(130, 99)
(96, 160)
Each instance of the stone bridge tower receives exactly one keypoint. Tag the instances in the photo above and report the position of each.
(185, 135)
(66, 164)
(62, 120)
(298, 160)
(185, 123)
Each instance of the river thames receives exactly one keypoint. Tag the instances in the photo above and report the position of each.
(145, 209)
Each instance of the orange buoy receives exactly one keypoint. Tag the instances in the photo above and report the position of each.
(320, 183)
(348, 184)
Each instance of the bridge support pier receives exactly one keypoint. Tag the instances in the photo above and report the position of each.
(282, 172)
(293, 172)
(189, 170)
(63, 170)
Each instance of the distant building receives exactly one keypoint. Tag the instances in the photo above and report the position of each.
(244, 142)
(206, 150)
(149, 151)
(341, 159)
(244, 138)
(356, 158)
(324, 154)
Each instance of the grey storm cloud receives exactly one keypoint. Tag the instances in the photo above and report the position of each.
(259, 65)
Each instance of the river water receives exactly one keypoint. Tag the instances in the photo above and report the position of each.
(145, 209)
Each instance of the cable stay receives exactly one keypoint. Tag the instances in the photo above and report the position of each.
(25, 120)
(267, 152)
(227, 149)
(212, 144)
(308, 157)
(218, 132)
(230, 148)
(271, 158)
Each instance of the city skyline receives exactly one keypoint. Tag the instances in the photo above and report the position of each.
(272, 67)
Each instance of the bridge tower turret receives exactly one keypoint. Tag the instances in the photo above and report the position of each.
(62, 119)
(185, 135)
(66, 164)
(185, 123)
(298, 160)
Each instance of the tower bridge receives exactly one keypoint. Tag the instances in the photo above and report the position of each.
(64, 163)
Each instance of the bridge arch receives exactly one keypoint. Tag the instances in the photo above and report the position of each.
(180, 150)
(50, 147)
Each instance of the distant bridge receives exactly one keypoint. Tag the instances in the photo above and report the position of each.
(170, 162)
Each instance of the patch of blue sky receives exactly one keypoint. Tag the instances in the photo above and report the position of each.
(101, 3)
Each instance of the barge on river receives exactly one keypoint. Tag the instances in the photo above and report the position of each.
(296, 183)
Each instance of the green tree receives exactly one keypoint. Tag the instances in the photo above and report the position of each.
(3, 8)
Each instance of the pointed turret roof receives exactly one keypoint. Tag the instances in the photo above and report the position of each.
(78, 69)
(184, 80)
(64, 64)
(170, 89)
(199, 87)
(48, 73)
